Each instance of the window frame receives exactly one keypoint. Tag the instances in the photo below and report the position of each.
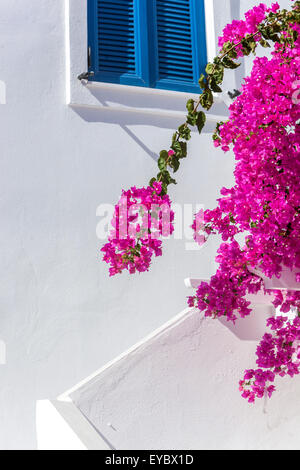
(146, 50)
(93, 96)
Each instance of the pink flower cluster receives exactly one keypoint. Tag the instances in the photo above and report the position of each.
(278, 354)
(264, 131)
(238, 29)
(225, 293)
(142, 216)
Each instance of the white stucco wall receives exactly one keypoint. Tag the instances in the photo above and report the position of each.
(61, 317)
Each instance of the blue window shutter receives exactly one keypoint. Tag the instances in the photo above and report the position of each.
(180, 44)
(117, 34)
(150, 43)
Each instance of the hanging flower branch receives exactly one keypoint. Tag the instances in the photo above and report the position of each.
(263, 131)
(141, 217)
(278, 355)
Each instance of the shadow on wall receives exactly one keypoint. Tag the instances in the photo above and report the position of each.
(134, 106)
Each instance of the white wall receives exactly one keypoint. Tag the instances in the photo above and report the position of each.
(61, 317)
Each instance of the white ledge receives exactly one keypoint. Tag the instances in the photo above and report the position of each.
(145, 111)
(252, 327)
(146, 91)
(123, 99)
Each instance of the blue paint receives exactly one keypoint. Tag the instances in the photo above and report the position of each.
(150, 43)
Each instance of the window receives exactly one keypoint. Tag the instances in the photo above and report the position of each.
(148, 43)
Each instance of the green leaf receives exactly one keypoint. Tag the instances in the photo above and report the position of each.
(192, 119)
(233, 54)
(190, 106)
(183, 146)
(247, 49)
(153, 180)
(174, 138)
(207, 99)
(164, 154)
(229, 49)
(180, 149)
(227, 46)
(165, 175)
(175, 164)
(210, 68)
(201, 120)
(218, 74)
(184, 132)
(213, 85)
(229, 63)
(164, 189)
(202, 82)
(162, 161)
(264, 43)
(162, 164)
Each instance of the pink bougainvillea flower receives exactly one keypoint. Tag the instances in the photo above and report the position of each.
(142, 216)
(263, 205)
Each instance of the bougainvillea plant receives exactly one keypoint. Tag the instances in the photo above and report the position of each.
(142, 216)
(263, 207)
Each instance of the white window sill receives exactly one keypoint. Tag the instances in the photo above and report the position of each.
(128, 99)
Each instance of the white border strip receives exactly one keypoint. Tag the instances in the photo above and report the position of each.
(210, 29)
(62, 426)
